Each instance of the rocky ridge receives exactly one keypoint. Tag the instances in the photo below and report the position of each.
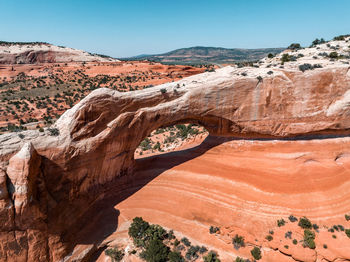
(33, 53)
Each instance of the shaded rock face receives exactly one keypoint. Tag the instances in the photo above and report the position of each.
(48, 187)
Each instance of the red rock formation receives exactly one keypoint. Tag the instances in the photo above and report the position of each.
(95, 148)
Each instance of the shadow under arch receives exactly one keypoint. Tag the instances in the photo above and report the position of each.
(101, 220)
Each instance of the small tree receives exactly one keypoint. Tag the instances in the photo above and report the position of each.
(256, 253)
(115, 254)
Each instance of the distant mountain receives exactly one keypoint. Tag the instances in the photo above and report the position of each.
(40, 52)
(205, 55)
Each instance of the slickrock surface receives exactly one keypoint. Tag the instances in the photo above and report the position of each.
(32, 53)
(244, 187)
(54, 190)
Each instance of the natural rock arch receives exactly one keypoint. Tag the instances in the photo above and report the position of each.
(99, 135)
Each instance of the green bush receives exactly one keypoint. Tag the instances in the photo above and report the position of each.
(347, 217)
(295, 241)
(270, 55)
(175, 256)
(304, 223)
(155, 251)
(333, 55)
(115, 254)
(294, 46)
(213, 230)
(186, 241)
(211, 257)
(238, 241)
(256, 253)
(347, 232)
(281, 222)
(309, 239)
(269, 237)
(285, 58)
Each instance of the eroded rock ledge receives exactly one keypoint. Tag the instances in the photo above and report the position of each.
(47, 187)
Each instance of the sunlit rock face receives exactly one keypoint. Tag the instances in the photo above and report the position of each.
(50, 184)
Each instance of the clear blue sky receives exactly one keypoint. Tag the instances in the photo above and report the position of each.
(123, 28)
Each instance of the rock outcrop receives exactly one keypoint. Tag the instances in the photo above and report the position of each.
(33, 53)
(50, 185)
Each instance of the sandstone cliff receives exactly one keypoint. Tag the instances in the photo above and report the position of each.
(48, 182)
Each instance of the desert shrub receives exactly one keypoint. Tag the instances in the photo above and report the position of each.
(281, 222)
(333, 55)
(269, 237)
(347, 217)
(309, 239)
(238, 241)
(202, 250)
(256, 253)
(334, 236)
(185, 241)
(286, 246)
(175, 256)
(211, 257)
(21, 136)
(163, 90)
(41, 129)
(347, 232)
(157, 146)
(305, 67)
(192, 253)
(318, 41)
(176, 242)
(285, 58)
(304, 223)
(115, 254)
(171, 235)
(339, 38)
(295, 241)
(155, 251)
(341, 228)
(53, 131)
(315, 226)
(288, 235)
(213, 230)
(146, 144)
(239, 259)
(294, 46)
(260, 79)
(325, 246)
(270, 72)
(270, 55)
(292, 218)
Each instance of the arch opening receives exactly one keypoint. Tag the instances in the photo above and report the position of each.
(171, 138)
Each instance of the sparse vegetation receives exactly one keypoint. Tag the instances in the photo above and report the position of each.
(238, 241)
(211, 257)
(305, 223)
(309, 239)
(115, 254)
(281, 222)
(256, 253)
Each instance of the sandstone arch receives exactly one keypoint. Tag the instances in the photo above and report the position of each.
(99, 135)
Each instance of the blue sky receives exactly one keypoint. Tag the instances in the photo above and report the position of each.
(132, 27)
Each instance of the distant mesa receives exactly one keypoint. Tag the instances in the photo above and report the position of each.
(209, 55)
